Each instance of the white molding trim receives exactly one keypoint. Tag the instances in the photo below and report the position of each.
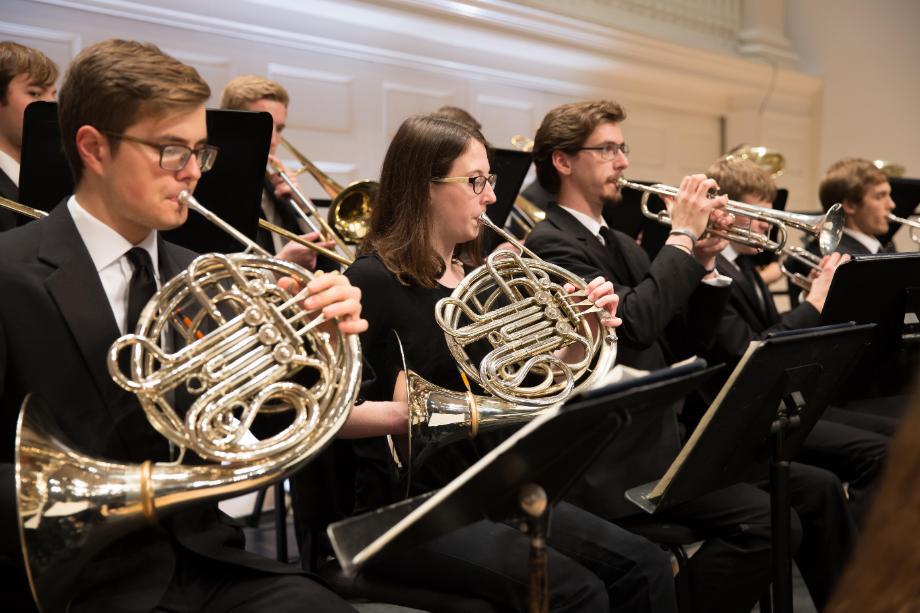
(288, 70)
(54, 36)
(730, 73)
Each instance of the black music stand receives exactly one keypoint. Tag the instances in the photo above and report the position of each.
(44, 175)
(519, 479)
(233, 188)
(511, 166)
(769, 404)
(883, 289)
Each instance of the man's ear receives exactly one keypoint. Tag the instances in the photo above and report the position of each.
(561, 162)
(850, 208)
(93, 148)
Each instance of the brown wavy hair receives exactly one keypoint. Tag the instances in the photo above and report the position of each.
(16, 59)
(566, 128)
(424, 147)
(114, 84)
(738, 177)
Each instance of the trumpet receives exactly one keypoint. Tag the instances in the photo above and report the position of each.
(242, 337)
(804, 257)
(912, 222)
(350, 210)
(828, 228)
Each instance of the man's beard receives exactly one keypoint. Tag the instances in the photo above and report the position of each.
(612, 200)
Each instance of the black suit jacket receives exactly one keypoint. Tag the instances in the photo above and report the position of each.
(55, 329)
(847, 244)
(9, 191)
(666, 312)
(745, 319)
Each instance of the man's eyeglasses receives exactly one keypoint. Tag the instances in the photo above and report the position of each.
(478, 182)
(608, 151)
(174, 157)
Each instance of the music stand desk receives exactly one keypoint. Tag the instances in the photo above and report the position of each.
(771, 401)
(552, 451)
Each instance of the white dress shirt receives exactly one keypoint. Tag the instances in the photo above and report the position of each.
(10, 167)
(107, 249)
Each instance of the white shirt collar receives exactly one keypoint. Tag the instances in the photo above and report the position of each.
(730, 254)
(869, 242)
(587, 221)
(10, 167)
(104, 244)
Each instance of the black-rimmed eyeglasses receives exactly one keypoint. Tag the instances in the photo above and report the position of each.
(174, 157)
(478, 182)
(608, 151)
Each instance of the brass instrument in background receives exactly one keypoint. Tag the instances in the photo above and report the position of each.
(827, 227)
(770, 160)
(240, 338)
(524, 213)
(350, 210)
(912, 222)
(891, 169)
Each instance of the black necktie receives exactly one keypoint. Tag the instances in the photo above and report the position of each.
(609, 240)
(752, 275)
(143, 285)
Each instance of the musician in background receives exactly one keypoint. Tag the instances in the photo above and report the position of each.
(134, 133)
(255, 93)
(666, 305)
(455, 113)
(851, 453)
(26, 75)
(865, 193)
(423, 239)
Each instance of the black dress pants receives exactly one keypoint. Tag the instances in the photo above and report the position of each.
(593, 565)
(201, 584)
(828, 530)
(733, 567)
(853, 454)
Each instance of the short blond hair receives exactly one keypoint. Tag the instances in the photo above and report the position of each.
(242, 91)
(738, 177)
(16, 59)
(114, 84)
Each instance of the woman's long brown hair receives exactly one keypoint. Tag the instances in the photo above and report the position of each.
(423, 148)
(884, 573)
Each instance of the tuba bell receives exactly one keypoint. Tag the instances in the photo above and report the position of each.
(238, 338)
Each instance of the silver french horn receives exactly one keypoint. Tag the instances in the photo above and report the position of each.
(226, 335)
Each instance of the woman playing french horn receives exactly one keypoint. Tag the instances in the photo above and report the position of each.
(435, 184)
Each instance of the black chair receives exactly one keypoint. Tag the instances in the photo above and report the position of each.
(323, 492)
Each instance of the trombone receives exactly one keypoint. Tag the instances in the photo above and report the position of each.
(22, 209)
(28, 211)
(350, 210)
(828, 228)
(912, 222)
